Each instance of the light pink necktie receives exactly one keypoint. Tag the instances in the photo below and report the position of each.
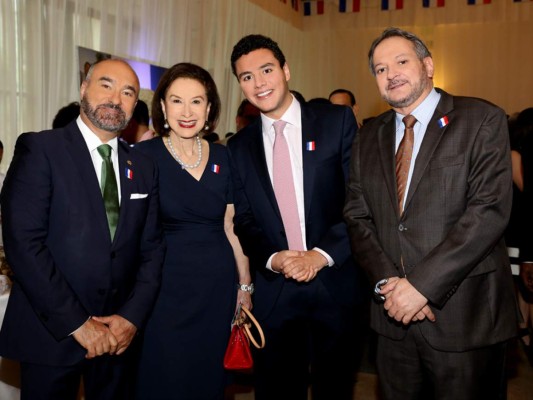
(284, 188)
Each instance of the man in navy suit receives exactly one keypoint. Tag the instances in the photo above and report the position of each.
(306, 284)
(81, 289)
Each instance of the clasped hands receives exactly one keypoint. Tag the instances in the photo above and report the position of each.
(105, 335)
(302, 266)
(404, 303)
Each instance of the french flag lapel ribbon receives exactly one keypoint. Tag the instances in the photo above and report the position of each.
(310, 146)
(215, 168)
(129, 173)
(443, 121)
(475, 2)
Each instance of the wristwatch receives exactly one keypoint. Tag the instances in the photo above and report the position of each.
(246, 288)
(378, 287)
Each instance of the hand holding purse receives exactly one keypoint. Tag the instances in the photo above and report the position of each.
(238, 355)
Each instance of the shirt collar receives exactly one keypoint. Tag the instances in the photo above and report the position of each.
(293, 116)
(424, 111)
(92, 140)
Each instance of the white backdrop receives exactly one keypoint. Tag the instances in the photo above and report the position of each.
(38, 49)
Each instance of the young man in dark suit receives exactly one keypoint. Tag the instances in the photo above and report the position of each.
(290, 167)
(81, 232)
(426, 211)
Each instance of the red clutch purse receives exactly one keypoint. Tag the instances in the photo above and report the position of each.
(238, 355)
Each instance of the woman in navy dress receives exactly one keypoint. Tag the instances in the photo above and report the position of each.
(186, 336)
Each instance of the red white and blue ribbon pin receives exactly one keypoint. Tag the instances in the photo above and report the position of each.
(129, 173)
(443, 122)
(215, 168)
(310, 146)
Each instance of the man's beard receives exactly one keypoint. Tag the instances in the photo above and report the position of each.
(417, 91)
(99, 117)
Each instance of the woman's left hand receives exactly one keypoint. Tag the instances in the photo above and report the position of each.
(244, 298)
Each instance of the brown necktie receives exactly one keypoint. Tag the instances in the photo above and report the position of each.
(403, 158)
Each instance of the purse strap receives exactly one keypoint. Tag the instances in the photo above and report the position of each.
(257, 326)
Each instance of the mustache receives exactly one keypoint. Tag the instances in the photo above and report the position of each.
(395, 82)
(112, 106)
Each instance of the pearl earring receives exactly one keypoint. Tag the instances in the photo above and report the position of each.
(206, 127)
(166, 126)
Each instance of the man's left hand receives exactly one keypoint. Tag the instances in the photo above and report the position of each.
(304, 267)
(404, 303)
(121, 328)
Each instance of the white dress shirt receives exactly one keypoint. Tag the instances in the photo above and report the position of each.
(423, 114)
(93, 142)
(293, 135)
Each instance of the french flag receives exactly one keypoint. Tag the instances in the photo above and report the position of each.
(315, 7)
(294, 4)
(129, 173)
(310, 146)
(443, 121)
(215, 168)
(475, 2)
(391, 5)
(432, 3)
(349, 6)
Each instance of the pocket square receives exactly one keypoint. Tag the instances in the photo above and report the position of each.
(135, 196)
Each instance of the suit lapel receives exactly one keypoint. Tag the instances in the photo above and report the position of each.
(431, 140)
(126, 176)
(309, 135)
(257, 153)
(387, 147)
(81, 159)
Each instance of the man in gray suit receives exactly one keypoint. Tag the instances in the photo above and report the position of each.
(429, 234)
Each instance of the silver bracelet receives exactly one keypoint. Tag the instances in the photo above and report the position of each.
(246, 288)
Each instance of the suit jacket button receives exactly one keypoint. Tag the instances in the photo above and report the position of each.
(113, 254)
(101, 292)
(402, 228)
(44, 317)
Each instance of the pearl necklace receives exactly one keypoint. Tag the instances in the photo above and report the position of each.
(175, 155)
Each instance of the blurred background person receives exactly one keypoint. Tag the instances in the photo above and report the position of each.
(344, 97)
(520, 229)
(246, 113)
(138, 128)
(66, 114)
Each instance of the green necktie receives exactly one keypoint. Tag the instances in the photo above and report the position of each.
(108, 184)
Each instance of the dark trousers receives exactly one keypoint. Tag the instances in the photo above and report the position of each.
(411, 369)
(310, 342)
(104, 378)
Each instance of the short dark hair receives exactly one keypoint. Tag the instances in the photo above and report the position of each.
(140, 113)
(344, 91)
(255, 42)
(66, 114)
(421, 49)
(189, 71)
